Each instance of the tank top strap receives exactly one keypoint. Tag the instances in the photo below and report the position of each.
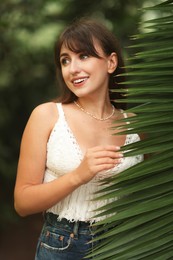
(60, 110)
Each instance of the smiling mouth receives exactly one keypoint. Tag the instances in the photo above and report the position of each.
(78, 81)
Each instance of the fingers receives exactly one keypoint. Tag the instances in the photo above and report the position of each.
(107, 160)
(104, 156)
(104, 167)
(106, 148)
(97, 159)
(113, 155)
(109, 151)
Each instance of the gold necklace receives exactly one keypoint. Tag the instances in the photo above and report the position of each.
(97, 118)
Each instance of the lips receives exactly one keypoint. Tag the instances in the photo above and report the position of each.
(79, 81)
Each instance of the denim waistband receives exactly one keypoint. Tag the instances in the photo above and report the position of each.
(77, 227)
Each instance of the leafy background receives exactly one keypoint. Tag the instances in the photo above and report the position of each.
(142, 226)
(28, 30)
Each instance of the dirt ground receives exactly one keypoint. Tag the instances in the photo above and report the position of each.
(18, 241)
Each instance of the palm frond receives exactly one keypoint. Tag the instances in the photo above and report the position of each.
(139, 221)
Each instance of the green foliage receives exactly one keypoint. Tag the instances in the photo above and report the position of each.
(142, 225)
(26, 79)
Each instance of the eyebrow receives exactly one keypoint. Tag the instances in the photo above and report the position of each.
(64, 54)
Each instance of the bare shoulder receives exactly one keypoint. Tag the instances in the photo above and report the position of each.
(46, 109)
(43, 116)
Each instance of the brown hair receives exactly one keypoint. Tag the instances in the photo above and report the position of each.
(79, 37)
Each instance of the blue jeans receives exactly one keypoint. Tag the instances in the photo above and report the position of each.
(64, 240)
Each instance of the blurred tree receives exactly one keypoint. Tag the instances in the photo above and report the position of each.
(28, 30)
(26, 78)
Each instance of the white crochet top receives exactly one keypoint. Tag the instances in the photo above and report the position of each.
(64, 155)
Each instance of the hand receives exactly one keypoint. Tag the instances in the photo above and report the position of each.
(97, 159)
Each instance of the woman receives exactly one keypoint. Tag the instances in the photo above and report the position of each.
(67, 146)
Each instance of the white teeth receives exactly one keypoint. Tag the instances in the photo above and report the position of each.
(78, 80)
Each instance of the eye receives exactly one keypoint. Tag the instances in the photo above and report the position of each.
(84, 56)
(65, 61)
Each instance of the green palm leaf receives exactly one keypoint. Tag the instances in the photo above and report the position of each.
(140, 220)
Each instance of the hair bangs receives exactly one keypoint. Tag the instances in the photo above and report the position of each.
(80, 43)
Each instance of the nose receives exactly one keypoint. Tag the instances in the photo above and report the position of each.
(75, 67)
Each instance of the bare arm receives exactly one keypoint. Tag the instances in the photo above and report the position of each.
(31, 194)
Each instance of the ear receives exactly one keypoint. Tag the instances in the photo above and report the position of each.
(112, 62)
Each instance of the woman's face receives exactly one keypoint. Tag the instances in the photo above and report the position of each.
(86, 75)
